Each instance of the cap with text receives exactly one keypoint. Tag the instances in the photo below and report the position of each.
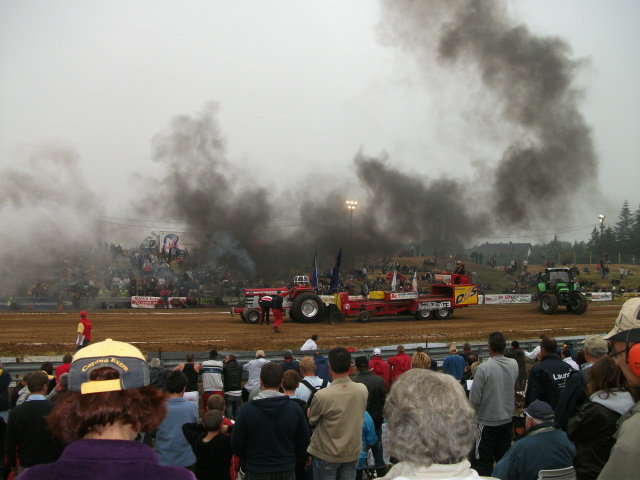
(126, 359)
(628, 318)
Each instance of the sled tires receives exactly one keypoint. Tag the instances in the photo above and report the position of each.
(364, 317)
(443, 313)
(424, 314)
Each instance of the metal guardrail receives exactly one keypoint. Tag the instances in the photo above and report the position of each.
(172, 359)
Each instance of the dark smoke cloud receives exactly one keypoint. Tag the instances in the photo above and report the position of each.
(531, 81)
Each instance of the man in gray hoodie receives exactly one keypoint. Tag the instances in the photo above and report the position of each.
(493, 396)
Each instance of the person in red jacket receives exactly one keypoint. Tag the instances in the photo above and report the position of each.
(84, 331)
(399, 363)
(381, 368)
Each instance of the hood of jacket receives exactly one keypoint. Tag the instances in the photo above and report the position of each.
(619, 402)
(271, 402)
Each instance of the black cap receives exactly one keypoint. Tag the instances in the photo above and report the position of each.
(362, 361)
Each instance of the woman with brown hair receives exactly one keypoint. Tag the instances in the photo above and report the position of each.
(420, 360)
(593, 426)
(108, 403)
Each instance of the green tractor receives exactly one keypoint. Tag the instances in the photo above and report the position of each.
(559, 288)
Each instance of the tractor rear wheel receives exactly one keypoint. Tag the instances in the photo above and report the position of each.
(577, 303)
(424, 314)
(307, 308)
(364, 316)
(548, 303)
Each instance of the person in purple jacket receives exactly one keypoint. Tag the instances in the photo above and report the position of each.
(108, 403)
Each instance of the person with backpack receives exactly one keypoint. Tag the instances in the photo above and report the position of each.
(310, 383)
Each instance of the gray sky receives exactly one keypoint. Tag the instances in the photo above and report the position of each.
(302, 87)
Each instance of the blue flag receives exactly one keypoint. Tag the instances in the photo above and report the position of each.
(314, 274)
(335, 273)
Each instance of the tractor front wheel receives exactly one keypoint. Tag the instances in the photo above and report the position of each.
(577, 303)
(548, 303)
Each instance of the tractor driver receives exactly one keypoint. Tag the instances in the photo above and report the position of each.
(460, 270)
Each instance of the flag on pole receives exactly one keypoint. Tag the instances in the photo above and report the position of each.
(414, 283)
(314, 274)
(393, 282)
(335, 273)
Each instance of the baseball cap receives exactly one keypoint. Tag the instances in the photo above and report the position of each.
(123, 357)
(362, 361)
(630, 336)
(595, 342)
(540, 410)
(376, 352)
(259, 353)
(628, 318)
(288, 354)
(83, 313)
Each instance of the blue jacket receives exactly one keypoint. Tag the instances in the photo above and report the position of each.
(454, 365)
(542, 447)
(322, 368)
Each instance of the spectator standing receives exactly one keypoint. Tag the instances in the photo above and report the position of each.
(432, 427)
(232, 373)
(518, 355)
(565, 355)
(624, 461)
(493, 396)
(290, 363)
(191, 370)
(211, 446)
(271, 431)
(375, 407)
(322, 366)
(399, 363)
(253, 369)
(592, 429)
(28, 438)
(5, 382)
(65, 367)
(337, 413)
(84, 331)
(381, 368)
(212, 382)
(310, 344)
(454, 364)
(369, 439)
(310, 382)
(548, 377)
(109, 402)
(533, 354)
(574, 394)
(539, 447)
(157, 373)
(290, 383)
(21, 385)
(171, 445)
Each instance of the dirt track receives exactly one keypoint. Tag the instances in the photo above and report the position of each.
(202, 329)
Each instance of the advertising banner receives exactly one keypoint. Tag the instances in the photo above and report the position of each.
(599, 296)
(507, 298)
(403, 295)
(152, 302)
